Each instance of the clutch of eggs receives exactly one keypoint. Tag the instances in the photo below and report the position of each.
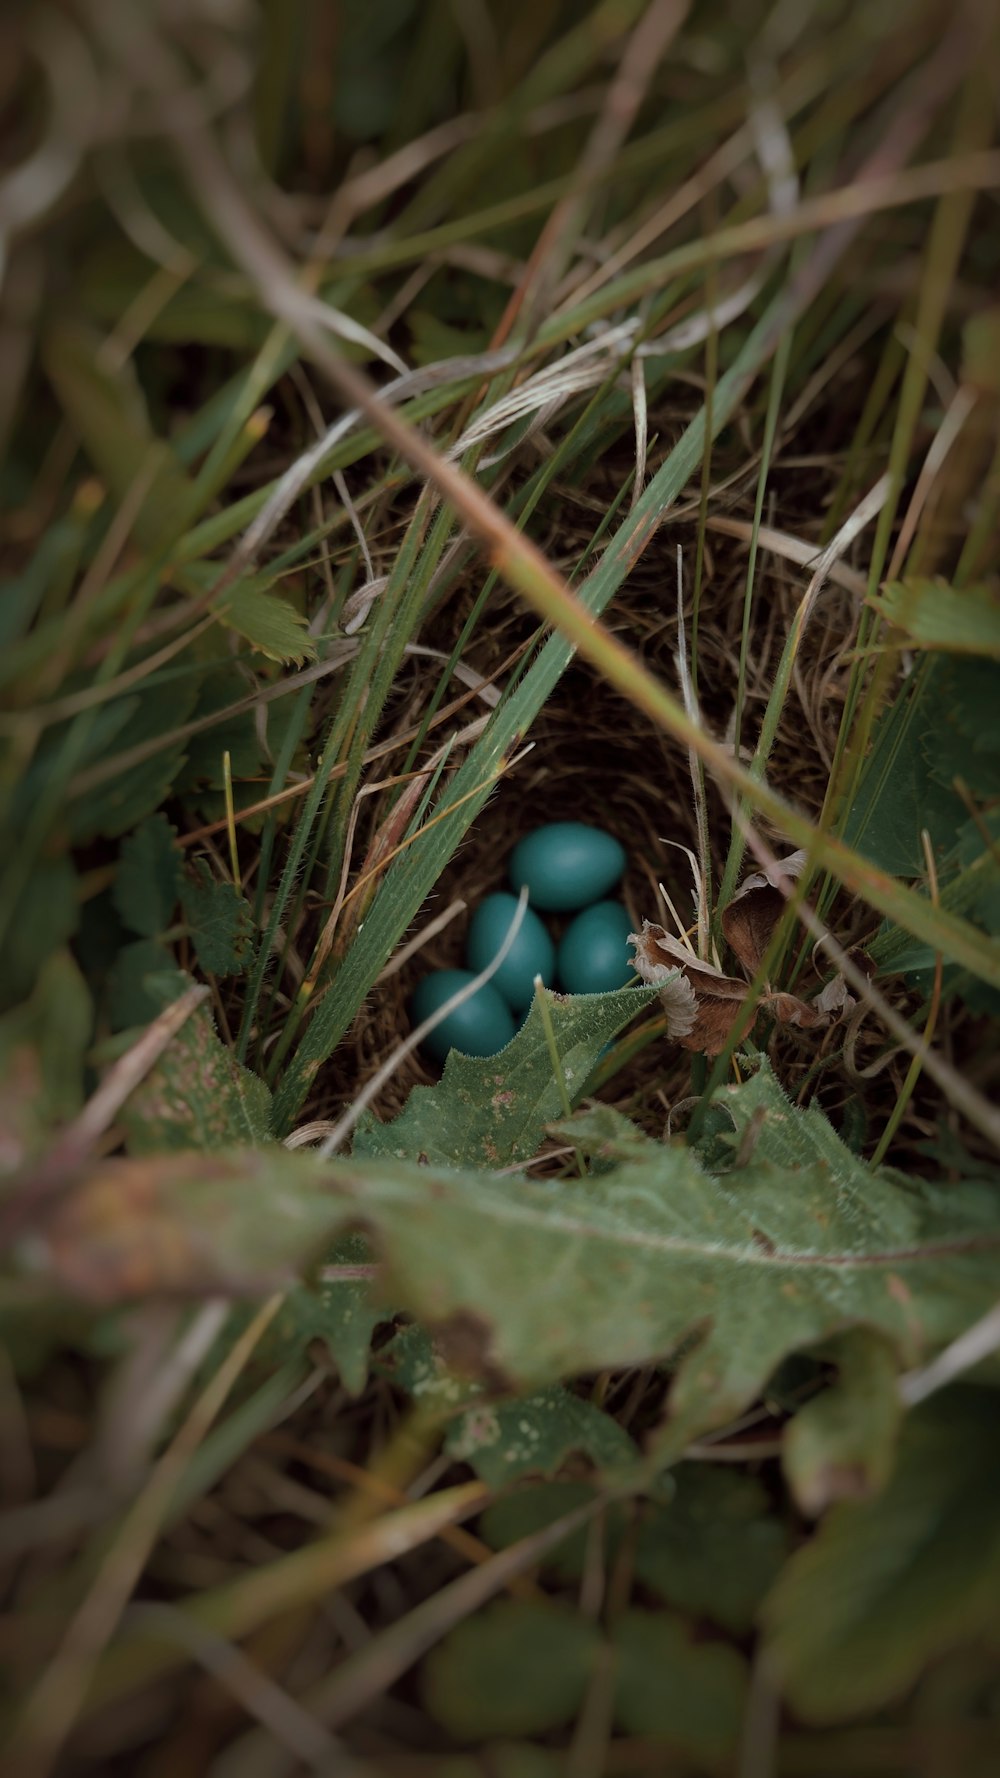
(566, 867)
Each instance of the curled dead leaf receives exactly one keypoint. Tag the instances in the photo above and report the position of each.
(702, 1003)
(835, 999)
(749, 920)
(790, 1010)
(701, 1014)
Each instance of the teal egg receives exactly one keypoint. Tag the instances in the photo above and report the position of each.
(594, 954)
(566, 865)
(482, 1024)
(531, 954)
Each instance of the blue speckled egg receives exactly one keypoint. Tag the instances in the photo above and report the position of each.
(594, 954)
(482, 1024)
(566, 865)
(531, 954)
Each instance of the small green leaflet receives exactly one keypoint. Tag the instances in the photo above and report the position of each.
(148, 883)
(934, 615)
(222, 925)
(267, 621)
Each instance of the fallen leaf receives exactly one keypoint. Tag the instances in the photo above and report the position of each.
(702, 1004)
(835, 999)
(749, 920)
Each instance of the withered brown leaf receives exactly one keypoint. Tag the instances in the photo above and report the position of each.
(749, 920)
(702, 1003)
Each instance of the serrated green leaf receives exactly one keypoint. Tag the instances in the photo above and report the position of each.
(841, 1444)
(502, 1441)
(536, 1435)
(222, 924)
(898, 795)
(148, 882)
(936, 616)
(939, 725)
(969, 883)
(887, 1585)
(493, 1111)
(268, 622)
(690, 1694)
(715, 1549)
(520, 1667)
(42, 1049)
(343, 1314)
(196, 1096)
(538, 1280)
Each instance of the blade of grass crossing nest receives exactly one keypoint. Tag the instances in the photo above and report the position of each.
(704, 876)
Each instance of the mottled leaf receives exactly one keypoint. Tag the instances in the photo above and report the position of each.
(339, 1314)
(148, 882)
(196, 1096)
(536, 1435)
(887, 1585)
(500, 1440)
(492, 1111)
(535, 1280)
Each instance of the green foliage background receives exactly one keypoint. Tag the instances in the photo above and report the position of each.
(519, 1434)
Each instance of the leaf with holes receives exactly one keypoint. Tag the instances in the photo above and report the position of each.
(501, 1440)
